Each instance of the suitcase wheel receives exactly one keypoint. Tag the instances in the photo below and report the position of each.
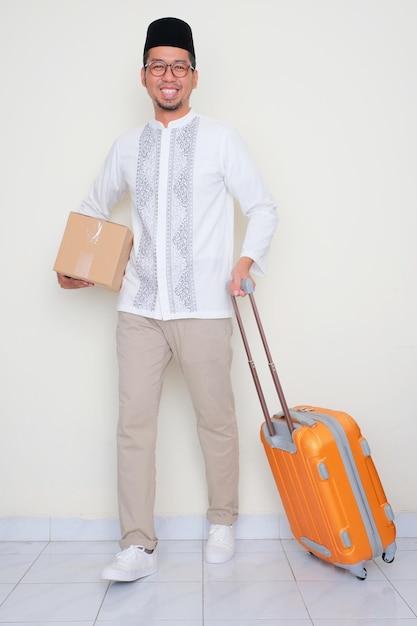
(363, 575)
(387, 559)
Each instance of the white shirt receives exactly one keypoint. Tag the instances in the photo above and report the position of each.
(182, 180)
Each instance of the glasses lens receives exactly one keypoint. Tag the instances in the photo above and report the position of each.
(158, 68)
(179, 69)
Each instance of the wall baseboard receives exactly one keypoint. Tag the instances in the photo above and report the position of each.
(268, 526)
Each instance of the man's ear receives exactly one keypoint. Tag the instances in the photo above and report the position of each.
(143, 76)
(195, 79)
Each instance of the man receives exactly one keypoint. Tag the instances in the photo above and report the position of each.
(182, 171)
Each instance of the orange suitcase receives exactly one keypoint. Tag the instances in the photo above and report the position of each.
(325, 475)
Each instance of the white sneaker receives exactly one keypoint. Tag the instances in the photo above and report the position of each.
(221, 544)
(131, 564)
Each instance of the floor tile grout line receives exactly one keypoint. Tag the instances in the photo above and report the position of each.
(383, 571)
(101, 604)
(20, 581)
(405, 601)
(16, 584)
(297, 585)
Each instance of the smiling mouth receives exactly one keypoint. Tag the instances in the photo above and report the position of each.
(169, 93)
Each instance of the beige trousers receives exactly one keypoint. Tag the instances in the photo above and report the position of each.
(202, 349)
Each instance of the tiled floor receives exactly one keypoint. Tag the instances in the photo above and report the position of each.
(268, 583)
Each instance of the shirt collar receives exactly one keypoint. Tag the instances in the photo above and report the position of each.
(181, 121)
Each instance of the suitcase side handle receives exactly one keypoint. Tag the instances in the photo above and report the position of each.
(248, 288)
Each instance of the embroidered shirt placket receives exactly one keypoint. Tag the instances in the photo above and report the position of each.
(147, 207)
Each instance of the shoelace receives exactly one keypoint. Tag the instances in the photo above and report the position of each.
(129, 554)
(221, 534)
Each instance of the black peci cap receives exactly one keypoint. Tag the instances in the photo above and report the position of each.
(169, 31)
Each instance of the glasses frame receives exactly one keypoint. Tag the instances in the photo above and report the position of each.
(168, 65)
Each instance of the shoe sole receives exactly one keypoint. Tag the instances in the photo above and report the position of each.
(124, 577)
(218, 559)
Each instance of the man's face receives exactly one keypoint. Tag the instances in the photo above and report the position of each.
(169, 92)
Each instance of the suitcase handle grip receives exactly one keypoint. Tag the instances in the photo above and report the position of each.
(247, 285)
(248, 288)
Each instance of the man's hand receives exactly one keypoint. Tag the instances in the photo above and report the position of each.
(239, 272)
(66, 282)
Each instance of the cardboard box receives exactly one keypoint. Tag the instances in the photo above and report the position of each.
(94, 250)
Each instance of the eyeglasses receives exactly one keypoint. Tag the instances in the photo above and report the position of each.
(178, 69)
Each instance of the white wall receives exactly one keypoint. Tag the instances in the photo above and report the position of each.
(325, 94)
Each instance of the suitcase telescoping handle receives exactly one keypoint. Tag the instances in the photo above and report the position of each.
(247, 286)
